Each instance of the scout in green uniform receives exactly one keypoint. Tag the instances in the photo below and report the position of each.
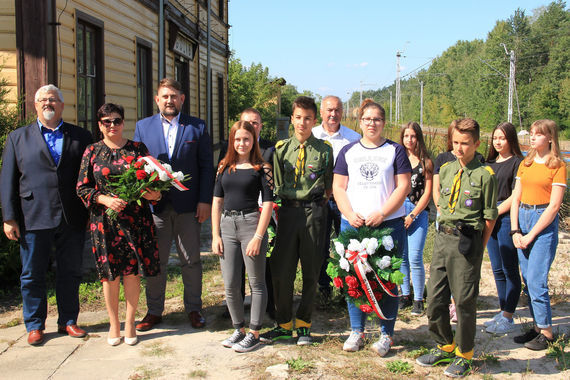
(302, 167)
(468, 212)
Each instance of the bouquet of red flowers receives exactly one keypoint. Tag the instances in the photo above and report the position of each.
(146, 173)
(365, 268)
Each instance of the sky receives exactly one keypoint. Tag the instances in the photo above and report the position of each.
(338, 47)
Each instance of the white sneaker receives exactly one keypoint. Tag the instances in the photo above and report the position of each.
(501, 326)
(383, 345)
(492, 321)
(354, 342)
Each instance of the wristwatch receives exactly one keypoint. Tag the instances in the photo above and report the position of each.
(412, 216)
(517, 231)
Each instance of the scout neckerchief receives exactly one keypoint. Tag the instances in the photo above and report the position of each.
(300, 165)
(455, 191)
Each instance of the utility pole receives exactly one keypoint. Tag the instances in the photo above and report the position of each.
(390, 107)
(398, 96)
(360, 92)
(511, 82)
(421, 104)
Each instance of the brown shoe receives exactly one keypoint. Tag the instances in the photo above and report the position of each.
(73, 331)
(148, 322)
(196, 319)
(36, 337)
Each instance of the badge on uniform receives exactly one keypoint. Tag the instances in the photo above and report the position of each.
(467, 192)
(469, 202)
(312, 176)
(310, 166)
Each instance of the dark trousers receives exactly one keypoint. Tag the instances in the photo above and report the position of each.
(300, 236)
(457, 274)
(35, 250)
(333, 220)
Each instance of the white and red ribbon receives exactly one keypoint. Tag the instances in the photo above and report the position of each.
(157, 166)
(360, 262)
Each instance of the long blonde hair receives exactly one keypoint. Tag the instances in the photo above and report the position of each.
(548, 128)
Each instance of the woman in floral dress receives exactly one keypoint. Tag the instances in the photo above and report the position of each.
(125, 246)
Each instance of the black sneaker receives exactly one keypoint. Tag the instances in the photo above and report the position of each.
(235, 338)
(405, 301)
(250, 342)
(278, 333)
(418, 308)
(435, 357)
(459, 368)
(304, 336)
(539, 343)
(526, 337)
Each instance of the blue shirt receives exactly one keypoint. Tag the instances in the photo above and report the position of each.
(54, 140)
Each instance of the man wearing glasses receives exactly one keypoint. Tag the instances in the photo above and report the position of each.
(338, 136)
(40, 208)
(183, 142)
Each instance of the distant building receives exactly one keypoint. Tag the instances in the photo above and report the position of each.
(108, 51)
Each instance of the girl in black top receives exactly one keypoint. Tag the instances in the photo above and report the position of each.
(416, 220)
(239, 230)
(504, 158)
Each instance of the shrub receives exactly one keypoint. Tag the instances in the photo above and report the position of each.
(10, 265)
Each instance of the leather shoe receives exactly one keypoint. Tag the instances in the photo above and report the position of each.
(148, 322)
(196, 319)
(36, 337)
(73, 331)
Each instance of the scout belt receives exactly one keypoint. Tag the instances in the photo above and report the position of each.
(448, 230)
(296, 203)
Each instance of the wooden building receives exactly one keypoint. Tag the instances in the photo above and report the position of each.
(100, 51)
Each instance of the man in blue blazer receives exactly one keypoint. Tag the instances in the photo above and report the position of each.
(40, 208)
(183, 142)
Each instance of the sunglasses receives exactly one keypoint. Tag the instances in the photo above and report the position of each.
(108, 122)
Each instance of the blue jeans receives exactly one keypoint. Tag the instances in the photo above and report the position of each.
(535, 263)
(333, 220)
(35, 249)
(505, 264)
(389, 304)
(414, 255)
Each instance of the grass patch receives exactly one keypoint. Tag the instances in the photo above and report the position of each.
(198, 373)
(300, 365)
(12, 323)
(157, 349)
(414, 354)
(489, 358)
(400, 367)
(144, 373)
(557, 350)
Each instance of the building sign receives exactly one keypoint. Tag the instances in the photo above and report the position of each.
(184, 47)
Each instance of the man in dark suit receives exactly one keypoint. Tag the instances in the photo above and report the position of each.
(267, 148)
(183, 142)
(41, 209)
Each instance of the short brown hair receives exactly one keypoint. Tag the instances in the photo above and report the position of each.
(305, 103)
(250, 110)
(467, 125)
(169, 82)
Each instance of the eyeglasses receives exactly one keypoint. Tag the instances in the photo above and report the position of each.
(47, 100)
(367, 120)
(108, 122)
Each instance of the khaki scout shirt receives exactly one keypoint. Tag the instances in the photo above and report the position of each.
(477, 194)
(318, 169)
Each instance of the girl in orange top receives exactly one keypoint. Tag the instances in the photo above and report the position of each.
(538, 194)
